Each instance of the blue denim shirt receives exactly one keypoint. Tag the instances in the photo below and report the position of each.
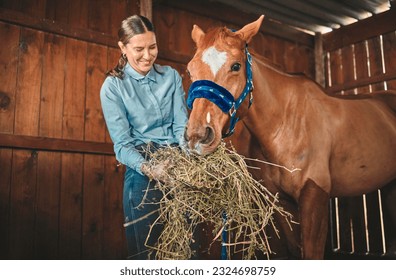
(141, 109)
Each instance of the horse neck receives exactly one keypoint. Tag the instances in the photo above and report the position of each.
(274, 100)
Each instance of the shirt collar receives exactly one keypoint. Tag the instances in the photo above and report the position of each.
(137, 76)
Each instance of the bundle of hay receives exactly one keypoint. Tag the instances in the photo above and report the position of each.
(216, 189)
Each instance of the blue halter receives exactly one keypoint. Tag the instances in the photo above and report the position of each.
(221, 96)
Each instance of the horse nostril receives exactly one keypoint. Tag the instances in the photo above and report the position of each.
(209, 136)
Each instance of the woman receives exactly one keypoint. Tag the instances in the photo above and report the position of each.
(143, 105)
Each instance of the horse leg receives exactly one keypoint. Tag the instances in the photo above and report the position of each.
(313, 208)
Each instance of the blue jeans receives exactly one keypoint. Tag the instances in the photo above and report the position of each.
(135, 187)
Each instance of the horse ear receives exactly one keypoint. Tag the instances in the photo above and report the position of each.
(249, 30)
(197, 34)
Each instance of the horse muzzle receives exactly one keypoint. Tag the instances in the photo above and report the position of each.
(200, 141)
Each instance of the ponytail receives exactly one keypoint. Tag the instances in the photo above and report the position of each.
(118, 70)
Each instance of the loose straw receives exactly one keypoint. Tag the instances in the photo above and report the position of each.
(199, 189)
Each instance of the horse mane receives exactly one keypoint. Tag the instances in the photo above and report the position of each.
(221, 34)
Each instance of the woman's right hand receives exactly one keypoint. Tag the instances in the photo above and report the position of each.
(157, 172)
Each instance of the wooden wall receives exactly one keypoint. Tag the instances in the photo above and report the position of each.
(56, 204)
(60, 187)
(359, 62)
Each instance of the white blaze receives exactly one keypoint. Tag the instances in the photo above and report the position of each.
(214, 59)
(208, 117)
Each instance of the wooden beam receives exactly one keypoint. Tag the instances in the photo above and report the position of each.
(59, 28)
(362, 30)
(390, 75)
(54, 144)
(233, 16)
(86, 35)
(319, 60)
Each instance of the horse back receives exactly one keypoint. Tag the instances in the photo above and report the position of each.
(386, 96)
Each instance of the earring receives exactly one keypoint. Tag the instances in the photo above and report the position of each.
(124, 56)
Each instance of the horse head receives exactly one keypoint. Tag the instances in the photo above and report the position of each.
(222, 79)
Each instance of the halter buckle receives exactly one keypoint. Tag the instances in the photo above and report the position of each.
(232, 110)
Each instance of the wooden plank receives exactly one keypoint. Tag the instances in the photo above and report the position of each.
(114, 243)
(336, 68)
(93, 189)
(80, 33)
(347, 67)
(53, 144)
(49, 171)
(229, 15)
(93, 207)
(120, 10)
(79, 17)
(166, 38)
(374, 224)
(377, 80)
(183, 22)
(146, 8)
(33, 8)
(23, 205)
(58, 10)
(5, 192)
(47, 206)
(346, 241)
(98, 15)
(357, 218)
(74, 93)
(333, 232)
(388, 196)
(361, 66)
(8, 75)
(95, 129)
(327, 69)
(319, 60)
(389, 47)
(273, 49)
(389, 43)
(8, 69)
(375, 58)
(350, 34)
(51, 101)
(27, 100)
(299, 59)
(11, 4)
(60, 28)
(70, 212)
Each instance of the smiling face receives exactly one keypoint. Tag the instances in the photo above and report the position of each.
(141, 51)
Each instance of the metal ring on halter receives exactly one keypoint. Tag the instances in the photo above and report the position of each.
(232, 110)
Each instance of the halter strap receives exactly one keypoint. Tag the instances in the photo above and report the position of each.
(221, 96)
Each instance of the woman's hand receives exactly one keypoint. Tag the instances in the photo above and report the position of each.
(157, 172)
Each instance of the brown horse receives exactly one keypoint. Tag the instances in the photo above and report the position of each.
(343, 147)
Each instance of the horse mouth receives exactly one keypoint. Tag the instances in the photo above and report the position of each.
(202, 142)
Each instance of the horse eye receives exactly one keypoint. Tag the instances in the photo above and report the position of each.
(236, 67)
(188, 73)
